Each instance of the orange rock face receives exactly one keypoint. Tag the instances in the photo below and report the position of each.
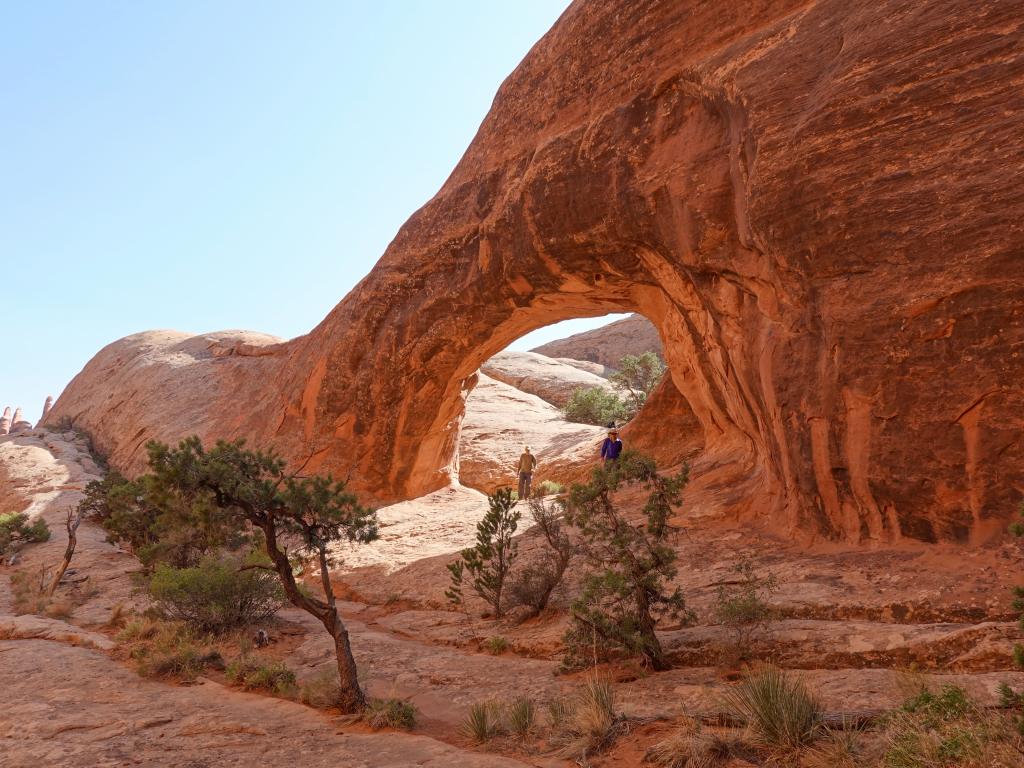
(817, 205)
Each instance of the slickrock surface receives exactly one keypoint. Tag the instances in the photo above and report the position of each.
(548, 379)
(501, 420)
(607, 345)
(812, 202)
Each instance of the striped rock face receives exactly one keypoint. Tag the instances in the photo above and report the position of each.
(816, 205)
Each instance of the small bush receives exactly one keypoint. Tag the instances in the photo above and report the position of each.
(483, 723)
(166, 650)
(522, 717)
(29, 590)
(836, 749)
(950, 703)
(692, 747)
(487, 564)
(533, 585)
(779, 710)
(550, 488)
(560, 712)
(322, 690)
(496, 645)
(741, 607)
(391, 713)
(215, 595)
(595, 405)
(16, 529)
(254, 674)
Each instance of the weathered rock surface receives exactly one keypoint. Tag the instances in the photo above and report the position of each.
(500, 420)
(19, 423)
(548, 379)
(46, 408)
(811, 202)
(5, 421)
(607, 345)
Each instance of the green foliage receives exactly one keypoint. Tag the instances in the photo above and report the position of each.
(482, 723)
(496, 645)
(947, 729)
(522, 717)
(391, 713)
(489, 562)
(534, 584)
(15, 528)
(550, 488)
(255, 674)
(242, 491)
(779, 710)
(159, 522)
(637, 377)
(166, 650)
(595, 405)
(742, 608)
(625, 592)
(216, 595)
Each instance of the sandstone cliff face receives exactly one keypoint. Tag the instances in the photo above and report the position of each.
(813, 203)
(550, 380)
(608, 344)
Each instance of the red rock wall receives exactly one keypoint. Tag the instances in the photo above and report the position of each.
(816, 203)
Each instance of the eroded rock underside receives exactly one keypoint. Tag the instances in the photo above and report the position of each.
(816, 204)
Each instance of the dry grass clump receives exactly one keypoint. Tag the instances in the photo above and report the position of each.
(691, 746)
(29, 590)
(391, 713)
(166, 650)
(837, 749)
(255, 674)
(322, 690)
(780, 712)
(496, 645)
(590, 724)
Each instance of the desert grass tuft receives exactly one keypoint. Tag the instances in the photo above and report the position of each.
(322, 690)
(522, 717)
(391, 713)
(482, 723)
(692, 747)
(779, 710)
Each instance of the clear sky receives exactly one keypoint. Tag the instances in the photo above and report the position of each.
(213, 164)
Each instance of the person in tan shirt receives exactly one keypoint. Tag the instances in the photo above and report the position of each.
(527, 463)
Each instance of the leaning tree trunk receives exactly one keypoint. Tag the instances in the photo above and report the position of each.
(351, 698)
(72, 523)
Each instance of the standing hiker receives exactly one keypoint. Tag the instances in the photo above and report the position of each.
(527, 463)
(611, 447)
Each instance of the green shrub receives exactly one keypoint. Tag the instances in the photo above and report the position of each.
(496, 645)
(741, 607)
(391, 713)
(16, 529)
(550, 488)
(778, 709)
(215, 595)
(522, 717)
(166, 650)
(594, 405)
(626, 592)
(636, 378)
(489, 562)
(482, 723)
(255, 674)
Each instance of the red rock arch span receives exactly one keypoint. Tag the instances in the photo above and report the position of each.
(827, 240)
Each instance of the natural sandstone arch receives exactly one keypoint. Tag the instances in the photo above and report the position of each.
(814, 202)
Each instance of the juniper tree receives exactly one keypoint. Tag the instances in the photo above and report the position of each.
(637, 377)
(630, 564)
(489, 561)
(252, 489)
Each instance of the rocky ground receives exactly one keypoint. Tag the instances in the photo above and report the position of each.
(856, 625)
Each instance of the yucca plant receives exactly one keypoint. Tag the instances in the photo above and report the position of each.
(522, 717)
(482, 723)
(779, 710)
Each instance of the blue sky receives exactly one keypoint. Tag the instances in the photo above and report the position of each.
(211, 165)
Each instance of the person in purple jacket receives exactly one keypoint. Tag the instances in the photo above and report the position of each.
(611, 447)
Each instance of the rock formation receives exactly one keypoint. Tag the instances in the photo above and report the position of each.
(46, 408)
(813, 203)
(550, 380)
(608, 344)
(19, 423)
(5, 421)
